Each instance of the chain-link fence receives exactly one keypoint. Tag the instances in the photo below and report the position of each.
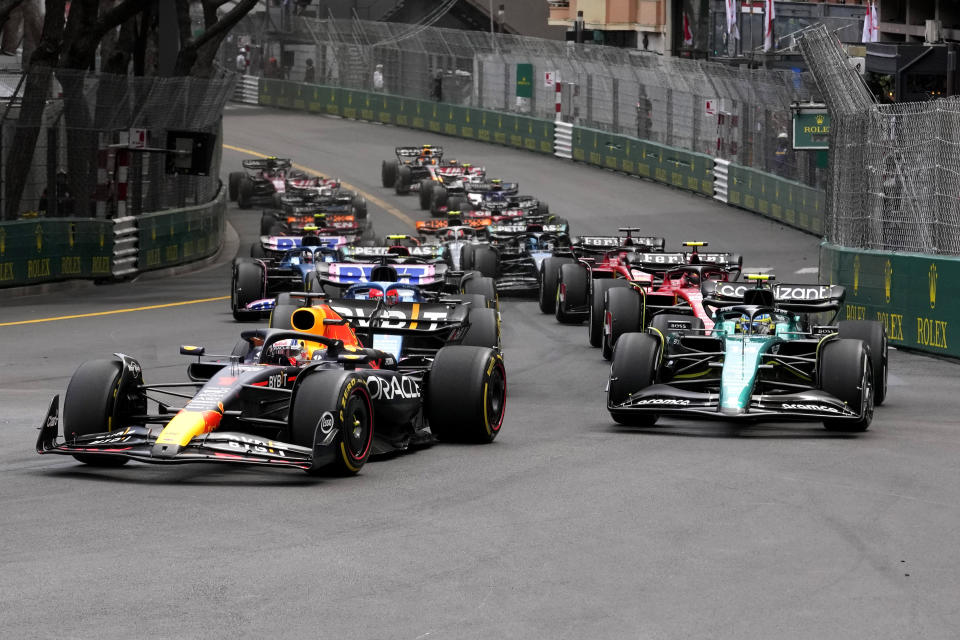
(894, 169)
(742, 115)
(70, 146)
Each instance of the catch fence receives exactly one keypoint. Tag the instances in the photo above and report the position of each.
(706, 107)
(75, 144)
(894, 181)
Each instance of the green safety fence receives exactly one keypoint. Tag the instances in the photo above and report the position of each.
(911, 293)
(675, 167)
(174, 237)
(43, 250)
(791, 203)
(518, 131)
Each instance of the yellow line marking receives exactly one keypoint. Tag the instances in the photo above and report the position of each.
(115, 311)
(386, 206)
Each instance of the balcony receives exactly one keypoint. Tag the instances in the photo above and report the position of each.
(560, 12)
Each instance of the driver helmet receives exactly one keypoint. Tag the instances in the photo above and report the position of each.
(496, 183)
(762, 325)
(285, 352)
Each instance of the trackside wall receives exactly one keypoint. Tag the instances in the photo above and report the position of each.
(913, 294)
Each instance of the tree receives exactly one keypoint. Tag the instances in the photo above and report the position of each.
(68, 48)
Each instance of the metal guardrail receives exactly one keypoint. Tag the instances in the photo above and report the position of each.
(247, 90)
(126, 242)
(721, 174)
(563, 140)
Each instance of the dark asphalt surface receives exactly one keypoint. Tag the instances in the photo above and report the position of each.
(566, 527)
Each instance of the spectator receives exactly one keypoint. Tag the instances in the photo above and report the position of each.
(378, 78)
(436, 89)
(781, 155)
(310, 72)
(24, 21)
(273, 69)
(242, 62)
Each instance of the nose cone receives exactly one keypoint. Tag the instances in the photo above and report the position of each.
(184, 427)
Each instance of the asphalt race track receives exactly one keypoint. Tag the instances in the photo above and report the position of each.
(567, 526)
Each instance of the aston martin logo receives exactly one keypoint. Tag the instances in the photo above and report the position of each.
(820, 119)
(932, 279)
(856, 275)
(887, 279)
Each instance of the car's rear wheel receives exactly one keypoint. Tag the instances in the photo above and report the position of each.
(873, 334)
(244, 192)
(485, 261)
(543, 208)
(482, 286)
(572, 292)
(257, 252)
(595, 319)
(359, 206)
(549, 276)
(484, 330)
(633, 368)
(466, 394)
(233, 184)
(247, 286)
(426, 189)
(438, 198)
(326, 400)
(622, 313)
(404, 180)
(93, 403)
(267, 221)
(846, 373)
(388, 172)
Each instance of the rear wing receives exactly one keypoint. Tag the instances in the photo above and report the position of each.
(260, 164)
(518, 229)
(799, 298)
(423, 251)
(664, 261)
(436, 225)
(415, 152)
(605, 243)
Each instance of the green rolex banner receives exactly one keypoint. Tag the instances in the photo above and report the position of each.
(524, 80)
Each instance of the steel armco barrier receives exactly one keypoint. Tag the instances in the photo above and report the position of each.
(247, 90)
(126, 246)
(721, 171)
(563, 140)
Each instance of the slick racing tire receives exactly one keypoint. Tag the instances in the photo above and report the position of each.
(466, 394)
(233, 184)
(438, 198)
(549, 276)
(633, 367)
(466, 256)
(595, 319)
(268, 220)
(404, 179)
(388, 172)
(622, 313)
(875, 337)
(484, 287)
(846, 373)
(485, 261)
(244, 192)
(359, 206)
(277, 230)
(94, 404)
(247, 286)
(573, 283)
(661, 322)
(257, 252)
(484, 330)
(543, 208)
(426, 189)
(334, 399)
(474, 300)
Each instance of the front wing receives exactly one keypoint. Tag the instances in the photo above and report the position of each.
(807, 405)
(137, 443)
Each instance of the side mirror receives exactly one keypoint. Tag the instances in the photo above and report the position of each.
(188, 350)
